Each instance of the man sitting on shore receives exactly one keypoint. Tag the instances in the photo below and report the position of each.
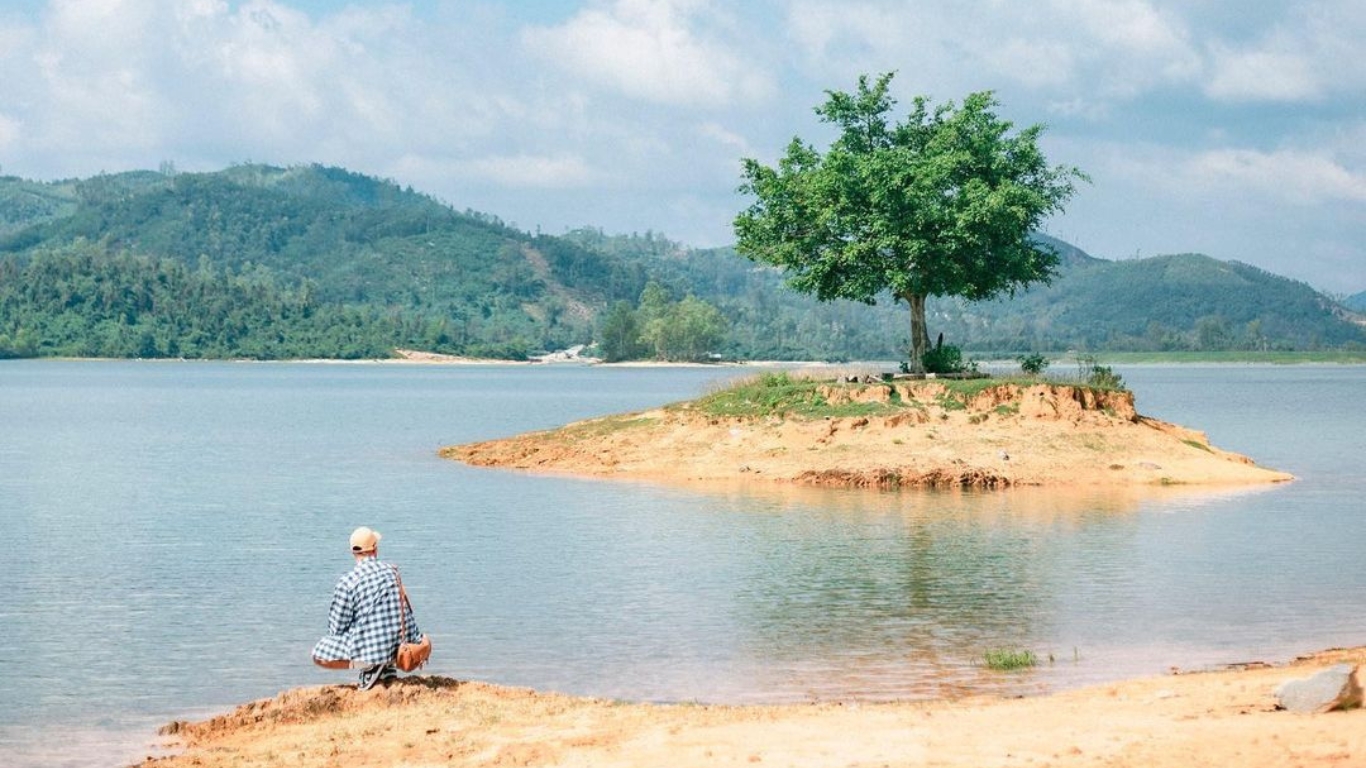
(366, 616)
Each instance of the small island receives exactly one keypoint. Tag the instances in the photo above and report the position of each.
(883, 432)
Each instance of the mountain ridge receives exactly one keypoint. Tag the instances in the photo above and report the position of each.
(419, 274)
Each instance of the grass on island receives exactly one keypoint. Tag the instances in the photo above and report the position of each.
(782, 394)
(1008, 659)
(607, 425)
(802, 396)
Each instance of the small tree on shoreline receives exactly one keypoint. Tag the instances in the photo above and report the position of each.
(941, 204)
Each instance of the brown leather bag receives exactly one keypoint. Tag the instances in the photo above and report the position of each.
(411, 656)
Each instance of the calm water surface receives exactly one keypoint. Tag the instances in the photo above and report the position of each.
(174, 531)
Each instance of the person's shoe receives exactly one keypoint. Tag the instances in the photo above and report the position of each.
(389, 672)
(370, 676)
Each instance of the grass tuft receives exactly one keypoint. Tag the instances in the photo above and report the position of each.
(1006, 659)
(780, 394)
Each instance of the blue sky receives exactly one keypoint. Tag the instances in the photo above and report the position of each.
(1214, 126)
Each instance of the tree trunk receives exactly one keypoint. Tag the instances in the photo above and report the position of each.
(920, 335)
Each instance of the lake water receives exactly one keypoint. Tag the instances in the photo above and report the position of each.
(173, 532)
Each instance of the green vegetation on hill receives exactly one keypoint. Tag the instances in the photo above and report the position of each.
(264, 262)
(347, 240)
(79, 301)
(23, 203)
(1177, 303)
(1167, 303)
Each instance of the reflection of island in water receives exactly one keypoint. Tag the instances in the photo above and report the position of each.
(900, 595)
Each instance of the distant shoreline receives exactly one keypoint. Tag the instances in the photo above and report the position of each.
(1059, 362)
(988, 364)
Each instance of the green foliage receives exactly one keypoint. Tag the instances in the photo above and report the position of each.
(1103, 377)
(769, 394)
(943, 358)
(690, 330)
(619, 336)
(966, 389)
(778, 395)
(695, 328)
(941, 204)
(1032, 364)
(81, 301)
(1097, 375)
(950, 402)
(1006, 659)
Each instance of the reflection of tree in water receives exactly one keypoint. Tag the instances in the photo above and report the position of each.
(896, 595)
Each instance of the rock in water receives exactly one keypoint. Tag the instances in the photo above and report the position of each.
(1334, 688)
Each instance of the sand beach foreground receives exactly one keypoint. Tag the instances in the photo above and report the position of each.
(1218, 718)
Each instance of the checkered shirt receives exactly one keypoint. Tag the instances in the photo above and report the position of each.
(364, 621)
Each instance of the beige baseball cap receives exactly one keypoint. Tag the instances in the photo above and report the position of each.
(364, 540)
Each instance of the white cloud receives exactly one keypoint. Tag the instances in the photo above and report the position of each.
(732, 141)
(672, 52)
(1034, 64)
(1262, 75)
(9, 131)
(1086, 109)
(112, 83)
(1135, 26)
(1234, 176)
(1297, 176)
(1311, 53)
(1114, 48)
(97, 75)
(534, 171)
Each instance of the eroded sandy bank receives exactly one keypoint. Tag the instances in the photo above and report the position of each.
(1223, 718)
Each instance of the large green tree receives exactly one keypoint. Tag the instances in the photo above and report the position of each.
(940, 204)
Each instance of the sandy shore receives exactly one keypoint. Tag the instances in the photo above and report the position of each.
(1223, 718)
(1005, 436)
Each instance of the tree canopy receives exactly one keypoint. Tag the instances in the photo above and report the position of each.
(941, 204)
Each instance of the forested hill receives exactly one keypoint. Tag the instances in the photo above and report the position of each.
(407, 269)
(257, 261)
(1356, 302)
(1161, 303)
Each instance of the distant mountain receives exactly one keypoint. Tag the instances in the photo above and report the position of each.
(1184, 301)
(478, 286)
(1356, 303)
(24, 203)
(311, 261)
(1160, 303)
